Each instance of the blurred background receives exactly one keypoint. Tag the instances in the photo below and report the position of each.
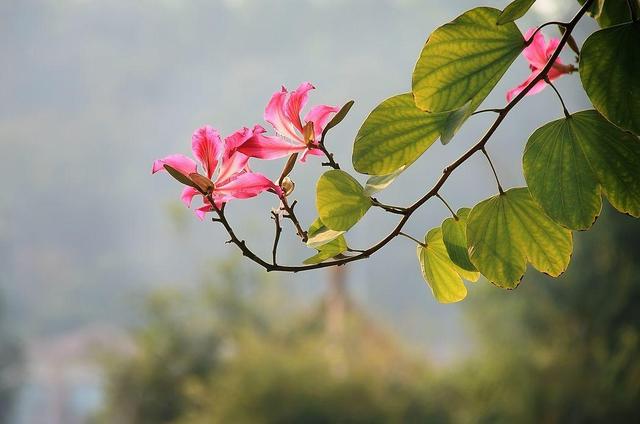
(118, 306)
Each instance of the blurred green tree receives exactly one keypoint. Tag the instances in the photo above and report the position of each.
(10, 367)
(232, 352)
(564, 351)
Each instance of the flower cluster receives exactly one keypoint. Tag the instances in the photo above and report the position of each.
(230, 157)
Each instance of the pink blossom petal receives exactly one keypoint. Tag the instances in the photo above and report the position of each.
(187, 195)
(276, 115)
(269, 147)
(538, 87)
(296, 101)
(320, 115)
(180, 163)
(245, 185)
(314, 152)
(235, 140)
(552, 46)
(536, 52)
(202, 211)
(235, 163)
(207, 147)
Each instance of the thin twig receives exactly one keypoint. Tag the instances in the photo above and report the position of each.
(564, 107)
(560, 24)
(391, 209)
(421, 243)
(276, 238)
(447, 205)
(495, 174)
(477, 112)
(290, 214)
(479, 146)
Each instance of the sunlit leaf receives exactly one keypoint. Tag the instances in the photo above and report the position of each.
(395, 134)
(328, 251)
(454, 235)
(515, 10)
(340, 200)
(507, 230)
(442, 275)
(569, 161)
(463, 60)
(610, 69)
(319, 235)
(378, 183)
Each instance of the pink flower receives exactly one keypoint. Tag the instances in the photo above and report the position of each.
(283, 113)
(538, 54)
(234, 179)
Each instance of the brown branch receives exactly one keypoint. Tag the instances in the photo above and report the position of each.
(291, 215)
(276, 238)
(479, 146)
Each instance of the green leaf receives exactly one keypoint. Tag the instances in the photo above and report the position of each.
(328, 251)
(507, 230)
(328, 243)
(610, 12)
(340, 200)
(378, 183)
(454, 121)
(319, 235)
(609, 69)
(442, 275)
(395, 134)
(515, 10)
(338, 117)
(463, 60)
(569, 161)
(454, 235)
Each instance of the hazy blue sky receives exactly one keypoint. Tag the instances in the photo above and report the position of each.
(92, 91)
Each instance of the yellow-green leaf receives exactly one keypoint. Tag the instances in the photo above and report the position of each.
(463, 60)
(340, 200)
(454, 235)
(515, 10)
(378, 183)
(569, 161)
(610, 69)
(442, 275)
(318, 234)
(506, 231)
(394, 135)
(328, 243)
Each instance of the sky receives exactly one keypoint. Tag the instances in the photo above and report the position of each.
(93, 91)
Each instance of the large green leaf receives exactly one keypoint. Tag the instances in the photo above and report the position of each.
(610, 12)
(610, 69)
(340, 200)
(395, 134)
(454, 235)
(566, 162)
(515, 10)
(463, 60)
(443, 276)
(507, 230)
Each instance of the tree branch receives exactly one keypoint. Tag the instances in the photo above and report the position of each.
(397, 231)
